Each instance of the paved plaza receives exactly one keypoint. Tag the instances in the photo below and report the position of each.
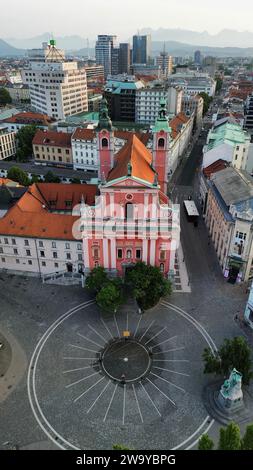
(148, 396)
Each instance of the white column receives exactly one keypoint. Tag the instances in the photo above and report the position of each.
(152, 252)
(145, 251)
(113, 253)
(86, 253)
(105, 253)
(111, 205)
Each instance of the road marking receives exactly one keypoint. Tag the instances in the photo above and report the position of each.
(144, 334)
(117, 328)
(124, 405)
(137, 326)
(137, 402)
(169, 339)
(75, 370)
(81, 380)
(168, 350)
(86, 391)
(109, 406)
(155, 336)
(90, 340)
(97, 333)
(105, 326)
(151, 400)
(164, 394)
(165, 380)
(100, 395)
(84, 349)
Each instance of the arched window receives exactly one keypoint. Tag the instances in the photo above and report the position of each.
(162, 267)
(129, 254)
(161, 143)
(104, 142)
(129, 211)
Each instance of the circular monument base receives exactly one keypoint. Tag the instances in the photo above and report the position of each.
(126, 360)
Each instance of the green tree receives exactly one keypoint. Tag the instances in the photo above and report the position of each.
(247, 441)
(5, 97)
(219, 83)
(109, 298)
(24, 139)
(230, 438)
(207, 101)
(147, 284)
(35, 179)
(120, 447)
(76, 181)
(205, 443)
(51, 178)
(233, 353)
(18, 175)
(96, 279)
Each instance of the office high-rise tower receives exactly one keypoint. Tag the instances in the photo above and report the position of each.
(141, 49)
(104, 52)
(124, 58)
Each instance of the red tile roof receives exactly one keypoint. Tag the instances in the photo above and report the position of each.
(52, 138)
(177, 122)
(215, 167)
(135, 153)
(84, 134)
(32, 215)
(30, 118)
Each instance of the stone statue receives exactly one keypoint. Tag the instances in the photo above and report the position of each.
(231, 395)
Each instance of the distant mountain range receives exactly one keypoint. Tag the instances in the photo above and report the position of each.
(77, 46)
(10, 51)
(225, 38)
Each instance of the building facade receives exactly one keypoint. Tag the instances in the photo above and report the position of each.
(57, 87)
(53, 149)
(165, 61)
(41, 241)
(7, 143)
(124, 58)
(120, 94)
(194, 105)
(141, 49)
(147, 104)
(123, 228)
(103, 50)
(229, 219)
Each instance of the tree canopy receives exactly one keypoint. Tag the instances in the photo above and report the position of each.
(109, 298)
(51, 178)
(207, 101)
(96, 279)
(205, 443)
(18, 175)
(247, 440)
(5, 97)
(230, 437)
(24, 139)
(233, 353)
(148, 284)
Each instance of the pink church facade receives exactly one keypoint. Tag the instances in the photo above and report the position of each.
(132, 220)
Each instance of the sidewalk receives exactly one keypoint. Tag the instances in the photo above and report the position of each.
(17, 364)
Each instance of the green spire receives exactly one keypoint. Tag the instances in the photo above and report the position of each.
(104, 119)
(162, 123)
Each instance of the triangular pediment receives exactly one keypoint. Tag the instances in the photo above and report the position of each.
(128, 181)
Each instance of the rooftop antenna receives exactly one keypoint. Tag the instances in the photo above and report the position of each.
(164, 48)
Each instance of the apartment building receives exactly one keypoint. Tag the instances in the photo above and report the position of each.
(7, 143)
(52, 148)
(228, 141)
(36, 234)
(147, 103)
(57, 87)
(229, 219)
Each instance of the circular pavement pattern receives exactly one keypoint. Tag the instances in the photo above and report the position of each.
(126, 360)
(130, 379)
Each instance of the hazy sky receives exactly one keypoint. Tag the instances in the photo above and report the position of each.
(26, 18)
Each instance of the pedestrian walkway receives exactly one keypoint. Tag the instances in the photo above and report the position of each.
(181, 279)
(17, 363)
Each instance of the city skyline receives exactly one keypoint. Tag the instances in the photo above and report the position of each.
(63, 21)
